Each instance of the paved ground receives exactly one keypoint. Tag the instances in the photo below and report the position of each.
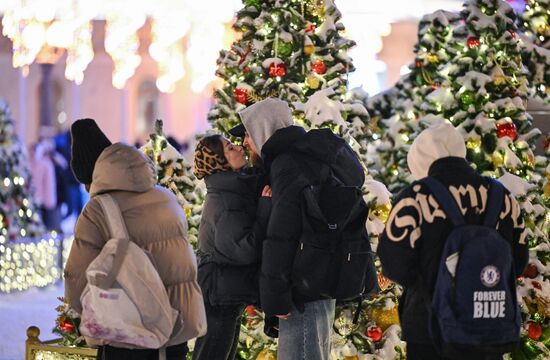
(23, 309)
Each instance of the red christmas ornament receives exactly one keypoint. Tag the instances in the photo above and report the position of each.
(513, 33)
(537, 285)
(310, 27)
(531, 271)
(251, 311)
(319, 67)
(241, 95)
(246, 70)
(546, 143)
(534, 330)
(66, 326)
(375, 333)
(473, 42)
(419, 63)
(277, 69)
(507, 129)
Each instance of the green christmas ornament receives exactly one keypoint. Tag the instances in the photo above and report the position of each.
(467, 98)
(285, 49)
(537, 317)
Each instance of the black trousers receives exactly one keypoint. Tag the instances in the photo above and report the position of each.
(222, 337)
(176, 352)
(428, 352)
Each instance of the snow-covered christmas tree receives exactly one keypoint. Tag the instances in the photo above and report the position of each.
(398, 111)
(175, 174)
(534, 23)
(295, 50)
(18, 212)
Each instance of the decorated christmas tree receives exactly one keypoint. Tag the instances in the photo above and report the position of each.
(175, 174)
(425, 82)
(290, 50)
(296, 51)
(534, 23)
(18, 213)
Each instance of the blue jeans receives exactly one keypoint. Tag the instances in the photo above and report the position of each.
(306, 336)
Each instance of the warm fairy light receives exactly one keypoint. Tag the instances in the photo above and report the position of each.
(32, 263)
(37, 27)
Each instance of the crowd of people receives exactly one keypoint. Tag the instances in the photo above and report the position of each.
(284, 230)
(57, 193)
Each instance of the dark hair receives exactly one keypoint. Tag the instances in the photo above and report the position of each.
(214, 143)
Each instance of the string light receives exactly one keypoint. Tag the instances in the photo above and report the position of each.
(32, 263)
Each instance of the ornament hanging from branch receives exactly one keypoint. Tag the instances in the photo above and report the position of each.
(507, 128)
(473, 42)
(319, 67)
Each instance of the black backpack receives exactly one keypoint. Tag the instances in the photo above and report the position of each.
(334, 257)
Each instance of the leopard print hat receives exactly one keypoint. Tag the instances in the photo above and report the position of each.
(207, 161)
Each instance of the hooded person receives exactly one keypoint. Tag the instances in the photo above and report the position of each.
(292, 159)
(155, 222)
(410, 248)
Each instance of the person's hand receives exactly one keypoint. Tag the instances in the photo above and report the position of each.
(266, 192)
(283, 317)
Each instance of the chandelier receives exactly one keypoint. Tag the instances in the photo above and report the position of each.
(41, 31)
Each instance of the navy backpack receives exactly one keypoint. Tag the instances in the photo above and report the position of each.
(474, 306)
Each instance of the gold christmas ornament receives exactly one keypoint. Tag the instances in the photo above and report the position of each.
(313, 81)
(382, 212)
(432, 58)
(309, 49)
(530, 158)
(188, 211)
(265, 354)
(473, 144)
(384, 318)
(497, 159)
(317, 8)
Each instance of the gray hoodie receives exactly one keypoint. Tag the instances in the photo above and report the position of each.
(262, 119)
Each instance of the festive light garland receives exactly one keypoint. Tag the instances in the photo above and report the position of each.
(31, 262)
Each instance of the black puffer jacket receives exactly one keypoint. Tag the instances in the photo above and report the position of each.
(293, 159)
(411, 246)
(231, 232)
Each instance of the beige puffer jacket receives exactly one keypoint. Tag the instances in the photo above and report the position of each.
(155, 221)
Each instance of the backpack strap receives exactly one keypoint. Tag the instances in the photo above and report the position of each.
(445, 200)
(495, 201)
(117, 230)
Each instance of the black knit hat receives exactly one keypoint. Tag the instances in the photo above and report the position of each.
(87, 143)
